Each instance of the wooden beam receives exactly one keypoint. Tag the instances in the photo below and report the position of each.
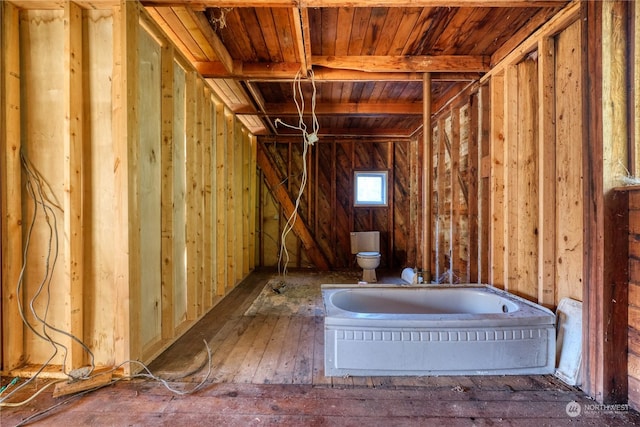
(125, 143)
(427, 178)
(167, 193)
(73, 179)
(303, 37)
(277, 72)
(402, 63)
(192, 196)
(511, 193)
(350, 108)
(200, 4)
(95, 381)
(300, 228)
(221, 200)
(546, 172)
(473, 179)
(208, 206)
(10, 187)
(497, 183)
(362, 133)
(229, 140)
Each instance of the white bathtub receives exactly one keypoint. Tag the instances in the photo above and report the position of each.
(434, 330)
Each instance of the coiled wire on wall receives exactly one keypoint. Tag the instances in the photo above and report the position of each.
(45, 204)
(308, 138)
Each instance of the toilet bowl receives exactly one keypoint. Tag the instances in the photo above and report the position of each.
(366, 246)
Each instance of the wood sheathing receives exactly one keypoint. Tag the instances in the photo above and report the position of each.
(143, 183)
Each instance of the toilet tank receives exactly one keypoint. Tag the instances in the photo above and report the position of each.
(365, 241)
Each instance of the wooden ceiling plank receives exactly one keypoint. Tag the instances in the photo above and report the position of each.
(439, 63)
(201, 4)
(178, 33)
(288, 41)
(394, 20)
(168, 29)
(345, 22)
(249, 25)
(524, 32)
(220, 51)
(187, 18)
(270, 34)
(558, 22)
(359, 28)
(328, 33)
(373, 35)
(455, 31)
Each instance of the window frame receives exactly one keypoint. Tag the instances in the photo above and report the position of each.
(384, 174)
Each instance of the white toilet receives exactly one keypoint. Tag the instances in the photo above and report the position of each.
(366, 246)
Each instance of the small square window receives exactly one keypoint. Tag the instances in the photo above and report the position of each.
(370, 188)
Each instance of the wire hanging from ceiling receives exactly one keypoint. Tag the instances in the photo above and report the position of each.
(308, 139)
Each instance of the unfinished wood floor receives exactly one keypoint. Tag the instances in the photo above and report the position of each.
(268, 370)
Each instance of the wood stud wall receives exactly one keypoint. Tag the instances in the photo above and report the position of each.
(144, 165)
(327, 203)
(508, 180)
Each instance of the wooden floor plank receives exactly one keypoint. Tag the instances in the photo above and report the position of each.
(303, 369)
(237, 347)
(284, 371)
(284, 358)
(249, 365)
(272, 353)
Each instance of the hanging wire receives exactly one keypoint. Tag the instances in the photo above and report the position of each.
(308, 139)
(44, 202)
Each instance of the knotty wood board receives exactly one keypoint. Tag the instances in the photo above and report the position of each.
(148, 192)
(569, 172)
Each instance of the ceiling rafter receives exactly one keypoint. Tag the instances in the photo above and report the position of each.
(403, 63)
(360, 108)
(278, 71)
(201, 4)
(301, 27)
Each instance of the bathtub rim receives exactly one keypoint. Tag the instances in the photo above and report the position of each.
(528, 314)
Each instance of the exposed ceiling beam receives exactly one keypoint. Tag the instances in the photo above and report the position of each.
(272, 71)
(303, 40)
(216, 44)
(350, 108)
(355, 3)
(359, 133)
(403, 63)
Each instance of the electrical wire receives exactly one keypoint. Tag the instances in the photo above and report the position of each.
(43, 198)
(308, 139)
(148, 375)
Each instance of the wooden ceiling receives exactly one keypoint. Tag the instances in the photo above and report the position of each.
(365, 58)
